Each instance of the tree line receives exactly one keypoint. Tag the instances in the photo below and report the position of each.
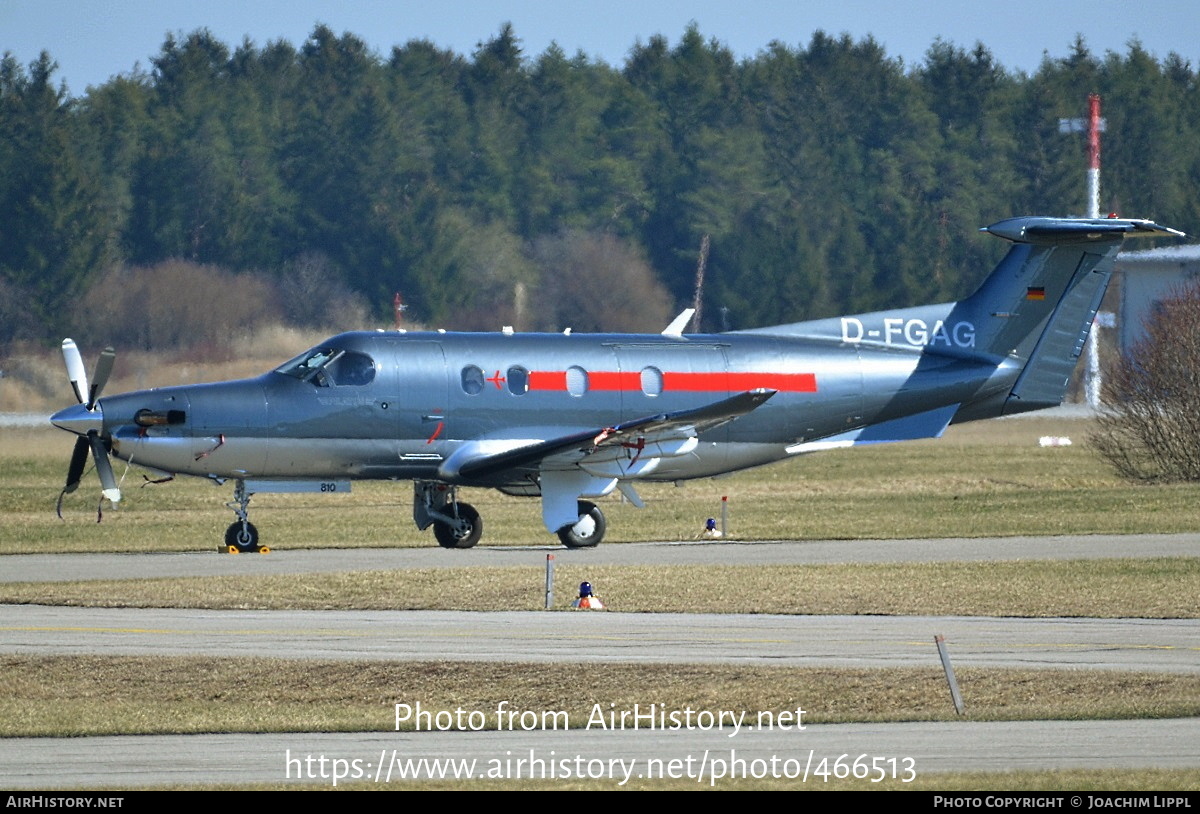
(550, 190)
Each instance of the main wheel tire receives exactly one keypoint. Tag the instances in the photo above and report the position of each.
(244, 539)
(466, 535)
(588, 531)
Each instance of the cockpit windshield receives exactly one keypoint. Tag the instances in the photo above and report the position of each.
(330, 367)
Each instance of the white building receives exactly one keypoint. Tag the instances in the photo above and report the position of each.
(1147, 277)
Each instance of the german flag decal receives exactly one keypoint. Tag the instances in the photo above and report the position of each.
(1038, 293)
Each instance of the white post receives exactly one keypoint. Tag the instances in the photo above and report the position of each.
(1092, 383)
(944, 654)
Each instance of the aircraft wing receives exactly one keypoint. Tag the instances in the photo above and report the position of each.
(477, 464)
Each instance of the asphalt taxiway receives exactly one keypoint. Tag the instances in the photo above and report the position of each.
(65, 567)
(707, 758)
(1165, 645)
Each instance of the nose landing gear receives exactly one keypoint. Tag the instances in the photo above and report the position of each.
(241, 537)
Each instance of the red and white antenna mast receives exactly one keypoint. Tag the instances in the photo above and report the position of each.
(1093, 126)
(1093, 174)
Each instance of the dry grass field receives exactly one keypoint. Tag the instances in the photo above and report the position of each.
(189, 694)
(1164, 588)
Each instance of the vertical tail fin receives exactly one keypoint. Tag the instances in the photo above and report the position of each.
(1031, 316)
(1039, 303)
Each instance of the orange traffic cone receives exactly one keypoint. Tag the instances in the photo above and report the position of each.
(587, 599)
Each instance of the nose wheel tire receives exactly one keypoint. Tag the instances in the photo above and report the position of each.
(588, 531)
(463, 534)
(243, 538)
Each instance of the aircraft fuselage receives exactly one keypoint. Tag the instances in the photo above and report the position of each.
(427, 393)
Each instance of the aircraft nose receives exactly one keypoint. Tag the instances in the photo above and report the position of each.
(79, 419)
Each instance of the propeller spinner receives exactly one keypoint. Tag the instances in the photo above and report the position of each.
(87, 420)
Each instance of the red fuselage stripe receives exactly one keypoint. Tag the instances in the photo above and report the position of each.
(547, 380)
(614, 380)
(681, 382)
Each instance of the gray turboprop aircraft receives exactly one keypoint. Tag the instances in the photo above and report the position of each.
(569, 417)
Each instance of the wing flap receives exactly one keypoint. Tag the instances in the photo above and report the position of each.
(480, 462)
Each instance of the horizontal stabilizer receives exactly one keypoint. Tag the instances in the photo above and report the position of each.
(930, 424)
(1059, 230)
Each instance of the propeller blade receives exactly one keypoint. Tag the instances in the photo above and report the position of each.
(75, 370)
(104, 368)
(78, 461)
(74, 471)
(87, 397)
(108, 481)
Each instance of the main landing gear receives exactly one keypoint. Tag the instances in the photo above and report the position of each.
(242, 536)
(458, 525)
(462, 529)
(455, 524)
(588, 531)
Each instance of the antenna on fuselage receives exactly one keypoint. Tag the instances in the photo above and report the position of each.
(399, 308)
(675, 329)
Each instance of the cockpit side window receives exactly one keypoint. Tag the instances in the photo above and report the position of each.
(351, 369)
(306, 365)
(328, 367)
